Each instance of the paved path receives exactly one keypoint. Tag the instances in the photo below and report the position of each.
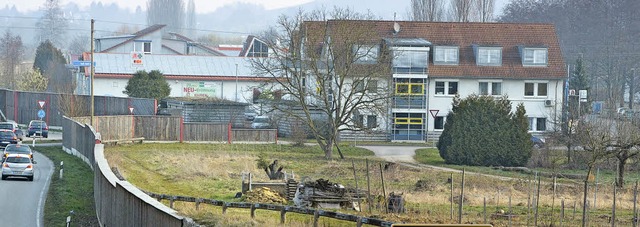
(394, 153)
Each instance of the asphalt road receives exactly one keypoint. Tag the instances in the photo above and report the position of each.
(22, 201)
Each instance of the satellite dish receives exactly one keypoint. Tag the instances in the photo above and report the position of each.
(396, 27)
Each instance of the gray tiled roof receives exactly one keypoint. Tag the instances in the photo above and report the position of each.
(188, 65)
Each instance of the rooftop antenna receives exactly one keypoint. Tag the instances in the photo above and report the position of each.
(396, 26)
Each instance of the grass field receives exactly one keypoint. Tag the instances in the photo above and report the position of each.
(73, 192)
(214, 171)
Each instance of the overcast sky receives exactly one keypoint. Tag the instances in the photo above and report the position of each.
(202, 6)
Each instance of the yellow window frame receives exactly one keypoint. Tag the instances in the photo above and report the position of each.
(410, 88)
(408, 121)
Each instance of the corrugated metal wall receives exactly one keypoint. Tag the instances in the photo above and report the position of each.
(23, 107)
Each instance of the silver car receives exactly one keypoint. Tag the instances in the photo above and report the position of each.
(17, 165)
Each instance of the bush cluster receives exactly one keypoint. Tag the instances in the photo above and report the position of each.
(482, 131)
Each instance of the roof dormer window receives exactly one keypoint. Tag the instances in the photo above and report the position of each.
(534, 56)
(445, 55)
(142, 46)
(488, 56)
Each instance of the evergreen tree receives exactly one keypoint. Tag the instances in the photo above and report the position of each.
(148, 85)
(51, 62)
(482, 131)
(579, 79)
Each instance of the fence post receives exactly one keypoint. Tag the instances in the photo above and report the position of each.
(510, 212)
(635, 201)
(562, 213)
(553, 200)
(229, 134)
(484, 208)
(451, 198)
(355, 178)
(181, 129)
(61, 165)
(461, 199)
(198, 201)
(224, 208)
(574, 210)
(535, 220)
(613, 211)
(171, 199)
(368, 186)
(359, 222)
(316, 216)
(384, 192)
(584, 204)
(253, 210)
(283, 215)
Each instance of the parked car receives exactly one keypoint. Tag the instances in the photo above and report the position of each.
(18, 149)
(7, 137)
(537, 142)
(14, 127)
(18, 165)
(261, 122)
(250, 114)
(38, 127)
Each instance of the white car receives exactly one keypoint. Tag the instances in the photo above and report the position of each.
(17, 165)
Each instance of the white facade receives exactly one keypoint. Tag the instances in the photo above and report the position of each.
(548, 106)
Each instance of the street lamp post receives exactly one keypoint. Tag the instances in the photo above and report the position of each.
(236, 82)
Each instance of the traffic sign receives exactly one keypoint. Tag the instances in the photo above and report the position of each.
(41, 103)
(41, 114)
(131, 110)
(434, 113)
(136, 58)
(83, 63)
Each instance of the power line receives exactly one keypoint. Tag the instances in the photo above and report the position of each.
(113, 22)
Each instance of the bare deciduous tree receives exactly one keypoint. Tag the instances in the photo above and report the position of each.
(52, 25)
(485, 10)
(461, 10)
(11, 54)
(167, 12)
(427, 10)
(327, 70)
(80, 44)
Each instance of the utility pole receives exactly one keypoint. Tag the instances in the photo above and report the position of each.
(632, 88)
(92, 69)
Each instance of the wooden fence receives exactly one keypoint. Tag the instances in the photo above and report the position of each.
(317, 213)
(169, 128)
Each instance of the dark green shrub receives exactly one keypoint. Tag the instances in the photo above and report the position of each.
(482, 131)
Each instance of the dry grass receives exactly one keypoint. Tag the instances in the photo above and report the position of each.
(214, 171)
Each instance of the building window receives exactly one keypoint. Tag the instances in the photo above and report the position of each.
(445, 55)
(372, 86)
(372, 121)
(446, 88)
(358, 120)
(490, 88)
(537, 124)
(438, 123)
(489, 56)
(365, 54)
(410, 61)
(534, 56)
(409, 89)
(142, 46)
(535, 89)
(258, 49)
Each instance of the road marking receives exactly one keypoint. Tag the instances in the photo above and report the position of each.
(42, 195)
